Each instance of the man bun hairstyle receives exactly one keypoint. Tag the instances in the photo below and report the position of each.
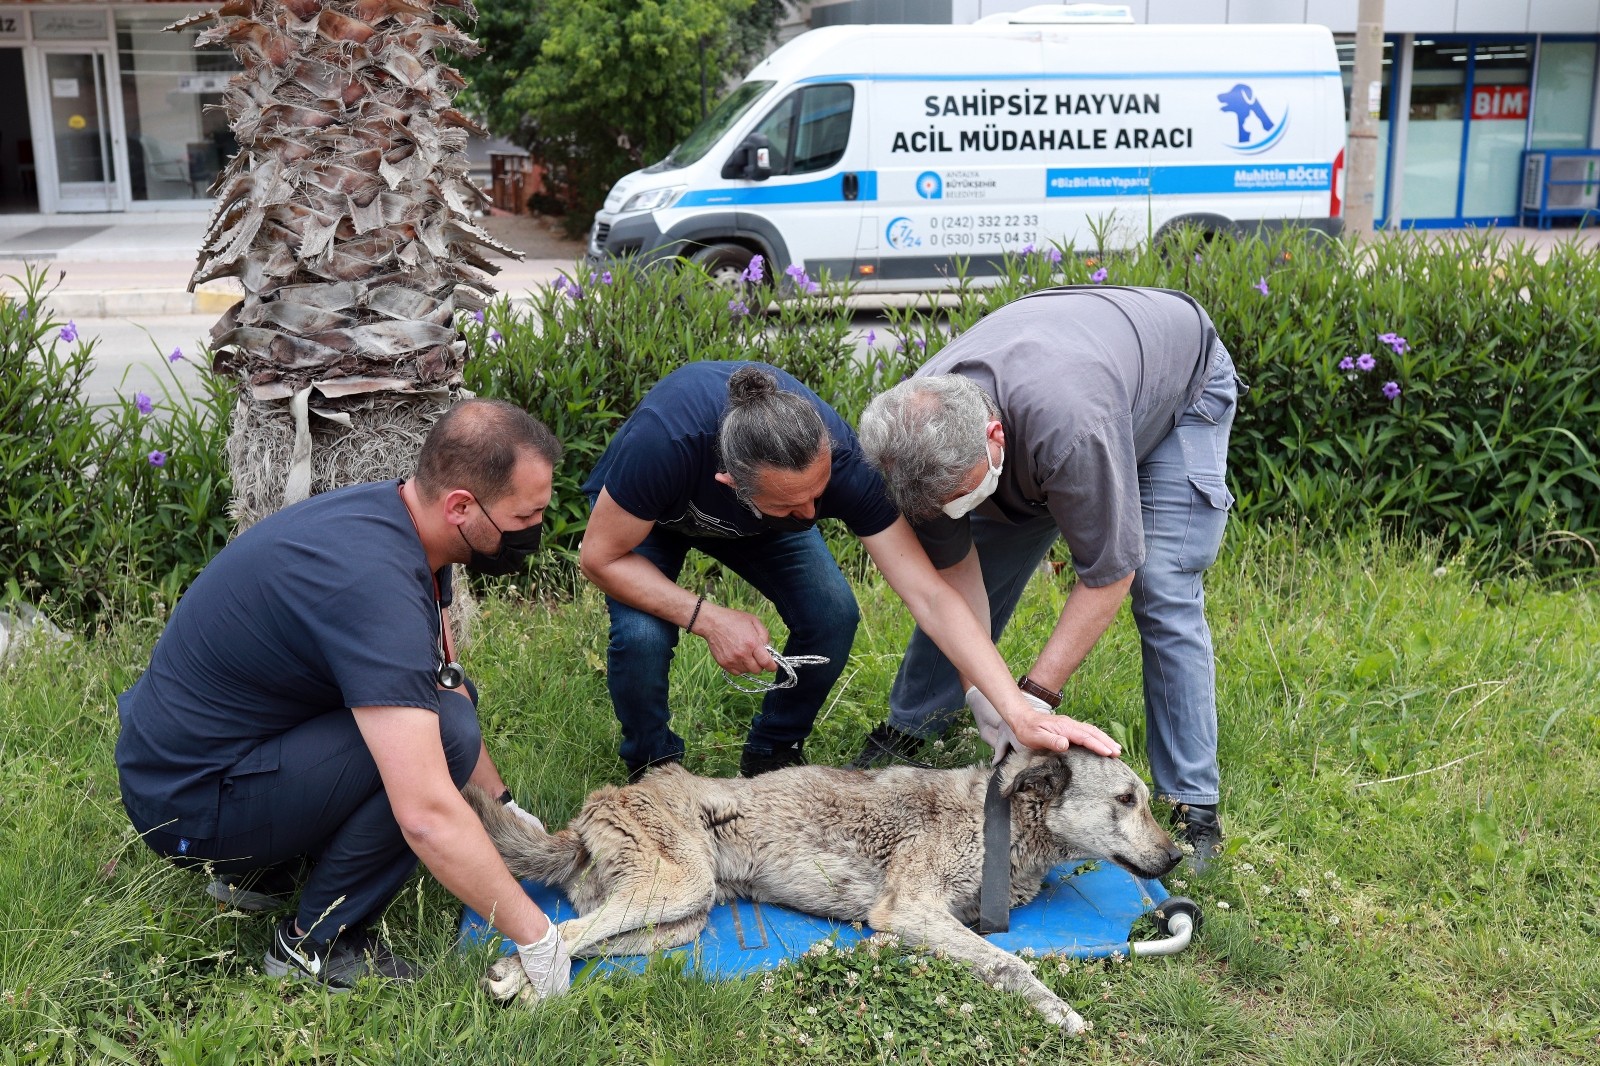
(764, 426)
(475, 446)
(924, 436)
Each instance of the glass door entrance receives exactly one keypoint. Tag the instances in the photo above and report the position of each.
(80, 128)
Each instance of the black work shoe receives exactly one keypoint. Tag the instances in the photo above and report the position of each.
(1198, 827)
(752, 763)
(354, 954)
(637, 772)
(258, 891)
(886, 744)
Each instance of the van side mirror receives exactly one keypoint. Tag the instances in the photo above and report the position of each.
(751, 161)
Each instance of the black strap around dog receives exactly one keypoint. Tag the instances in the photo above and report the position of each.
(994, 894)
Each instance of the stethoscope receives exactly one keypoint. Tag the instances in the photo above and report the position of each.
(449, 675)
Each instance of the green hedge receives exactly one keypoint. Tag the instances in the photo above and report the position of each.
(1475, 423)
(1485, 439)
(104, 508)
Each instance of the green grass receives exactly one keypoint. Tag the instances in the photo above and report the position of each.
(1411, 770)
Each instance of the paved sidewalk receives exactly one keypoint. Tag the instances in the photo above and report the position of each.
(127, 264)
(139, 263)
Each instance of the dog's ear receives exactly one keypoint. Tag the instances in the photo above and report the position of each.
(1047, 776)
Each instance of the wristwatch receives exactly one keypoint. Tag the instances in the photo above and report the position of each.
(1033, 688)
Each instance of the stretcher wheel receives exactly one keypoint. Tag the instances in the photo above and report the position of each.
(1171, 907)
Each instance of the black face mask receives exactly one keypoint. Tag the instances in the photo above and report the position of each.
(787, 523)
(515, 547)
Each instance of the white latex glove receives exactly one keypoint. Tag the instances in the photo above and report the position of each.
(511, 805)
(547, 964)
(992, 728)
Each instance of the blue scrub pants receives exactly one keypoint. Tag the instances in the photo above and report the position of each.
(323, 799)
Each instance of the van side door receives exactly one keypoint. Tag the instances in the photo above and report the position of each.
(811, 198)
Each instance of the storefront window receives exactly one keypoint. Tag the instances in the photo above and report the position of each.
(178, 139)
(1498, 117)
(1346, 44)
(1432, 165)
(1564, 99)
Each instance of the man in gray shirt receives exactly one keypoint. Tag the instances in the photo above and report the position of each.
(1101, 415)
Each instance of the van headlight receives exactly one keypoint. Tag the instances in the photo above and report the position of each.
(654, 200)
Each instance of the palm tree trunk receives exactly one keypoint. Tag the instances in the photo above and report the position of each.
(347, 217)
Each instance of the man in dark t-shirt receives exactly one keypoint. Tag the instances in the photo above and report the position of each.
(740, 460)
(303, 707)
(1098, 415)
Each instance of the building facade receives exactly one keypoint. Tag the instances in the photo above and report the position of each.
(1468, 85)
(105, 111)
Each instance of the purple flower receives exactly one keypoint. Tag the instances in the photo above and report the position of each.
(1054, 255)
(795, 271)
(880, 366)
(872, 337)
(1388, 338)
(921, 344)
(738, 308)
(1347, 363)
(811, 287)
(176, 356)
(157, 458)
(1027, 249)
(605, 279)
(69, 332)
(1261, 287)
(494, 336)
(143, 402)
(1365, 362)
(477, 316)
(1400, 346)
(752, 273)
(1197, 257)
(1391, 391)
(1099, 275)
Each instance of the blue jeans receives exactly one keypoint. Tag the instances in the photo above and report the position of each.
(324, 799)
(793, 570)
(1183, 490)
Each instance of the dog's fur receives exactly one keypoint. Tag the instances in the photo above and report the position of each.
(900, 849)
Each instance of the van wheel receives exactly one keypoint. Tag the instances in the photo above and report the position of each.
(724, 264)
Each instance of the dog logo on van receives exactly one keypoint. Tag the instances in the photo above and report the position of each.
(1241, 102)
(929, 185)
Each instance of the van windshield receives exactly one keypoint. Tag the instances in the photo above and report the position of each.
(723, 116)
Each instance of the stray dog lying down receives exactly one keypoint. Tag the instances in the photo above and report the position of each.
(900, 849)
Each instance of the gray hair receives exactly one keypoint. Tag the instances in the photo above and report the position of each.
(764, 426)
(924, 436)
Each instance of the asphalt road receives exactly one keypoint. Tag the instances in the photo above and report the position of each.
(130, 356)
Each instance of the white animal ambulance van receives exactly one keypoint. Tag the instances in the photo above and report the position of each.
(882, 154)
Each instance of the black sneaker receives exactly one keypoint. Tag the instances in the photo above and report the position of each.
(354, 954)
(637, 772)
(752, 763)
(886, 744)
(258, 891)
(1200, 828)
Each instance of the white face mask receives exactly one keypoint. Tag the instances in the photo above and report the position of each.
(959, 506)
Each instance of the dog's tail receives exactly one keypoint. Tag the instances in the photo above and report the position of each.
(550, 858)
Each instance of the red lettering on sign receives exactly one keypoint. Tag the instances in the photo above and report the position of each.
(1500, 101)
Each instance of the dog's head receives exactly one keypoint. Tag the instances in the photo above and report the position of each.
(1092, 805)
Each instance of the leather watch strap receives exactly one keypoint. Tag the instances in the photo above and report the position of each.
(1033, 688)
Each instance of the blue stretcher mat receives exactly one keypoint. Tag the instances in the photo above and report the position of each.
(1085, 915)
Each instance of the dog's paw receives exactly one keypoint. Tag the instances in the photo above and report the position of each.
(506, 981)
(1069, 1021)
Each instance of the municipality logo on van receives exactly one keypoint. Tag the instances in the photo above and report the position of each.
(1256, 129)
(929, 185)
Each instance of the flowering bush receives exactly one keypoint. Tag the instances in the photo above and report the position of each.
(102, 507)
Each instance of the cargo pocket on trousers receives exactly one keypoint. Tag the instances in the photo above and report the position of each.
(1208, 517)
